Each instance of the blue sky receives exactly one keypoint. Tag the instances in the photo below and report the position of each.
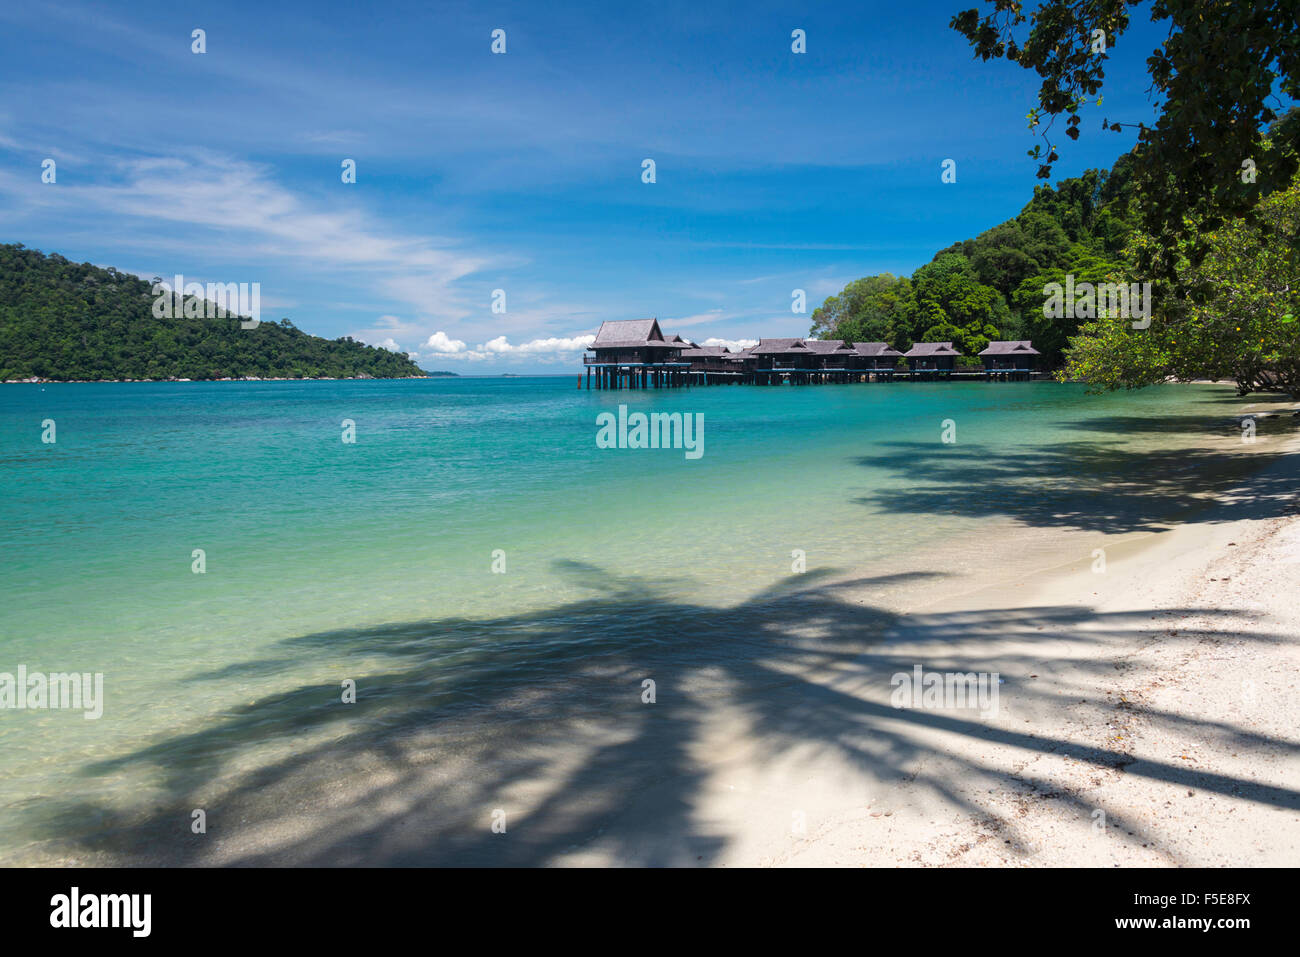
(521, 172)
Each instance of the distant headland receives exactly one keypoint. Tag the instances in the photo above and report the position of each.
(63, 321)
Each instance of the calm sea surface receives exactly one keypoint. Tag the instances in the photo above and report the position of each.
(327, 560)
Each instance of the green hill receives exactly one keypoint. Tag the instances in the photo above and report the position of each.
(62, 320)
(991, 287)
(994, 285)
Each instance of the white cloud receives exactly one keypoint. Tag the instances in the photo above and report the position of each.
(540, 346)
(442, 344)
(554, 349)
(735, 345)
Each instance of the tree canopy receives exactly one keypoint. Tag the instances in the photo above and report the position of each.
(64, 320)
(1200, 211)
(1247, 329)
(1216, 80)
(992, 286)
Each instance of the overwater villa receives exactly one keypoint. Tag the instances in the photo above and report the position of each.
(776, 360)
(710, 365)
(931, 358)
(835, 358)
(1016, 359)
(802, 361)
(877, 357)
(635, 354)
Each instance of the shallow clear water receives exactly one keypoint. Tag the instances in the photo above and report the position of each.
(393, 536)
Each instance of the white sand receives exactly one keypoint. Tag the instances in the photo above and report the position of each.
(1171, 706)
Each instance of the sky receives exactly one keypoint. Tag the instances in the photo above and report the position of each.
(521, 171)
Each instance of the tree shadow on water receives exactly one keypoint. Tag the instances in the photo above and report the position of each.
(541, 715)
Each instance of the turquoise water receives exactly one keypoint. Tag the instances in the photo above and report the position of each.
(395, 534)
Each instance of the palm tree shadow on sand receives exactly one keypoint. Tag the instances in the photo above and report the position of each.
(542, 716)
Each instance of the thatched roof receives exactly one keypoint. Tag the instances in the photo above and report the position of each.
(630, 334)
(704, 352)
(873, 349)
(827, 346)
(928, 349)
(1021, 347)
(768, 347)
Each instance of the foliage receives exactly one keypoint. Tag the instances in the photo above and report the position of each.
(1212, 298)
(873, 309)
(1051, 336)
(1213, 76)
(63, 320)
(954, 306)
(991, 287)
(1247, 328)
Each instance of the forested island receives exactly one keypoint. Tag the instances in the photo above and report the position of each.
(62, 321)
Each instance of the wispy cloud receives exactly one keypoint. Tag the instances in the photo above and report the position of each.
(235, 212)
(698, 319)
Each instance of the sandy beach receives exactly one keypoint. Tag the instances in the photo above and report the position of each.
(1150, 715)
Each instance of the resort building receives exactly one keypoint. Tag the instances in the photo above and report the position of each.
(876, 357)
(701, 357)
(635, 354)
(782, 355)
(779, 360)
(709, 365)
(834, 359)
(834, 353)
(821, 360)
(1010, 357)
(931, 357)
(743, 362)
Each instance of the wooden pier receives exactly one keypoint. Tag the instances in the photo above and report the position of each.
(633, 354)
(636, 375)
